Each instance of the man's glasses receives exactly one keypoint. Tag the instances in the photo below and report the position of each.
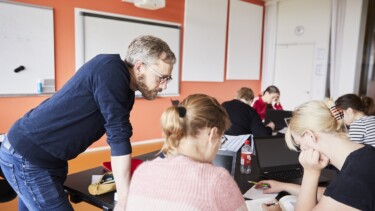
(162, 78)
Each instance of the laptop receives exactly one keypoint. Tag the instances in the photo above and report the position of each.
(279, 117)
(227, 160)
(276, 161)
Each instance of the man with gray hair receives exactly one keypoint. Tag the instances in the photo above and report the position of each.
(97, 100)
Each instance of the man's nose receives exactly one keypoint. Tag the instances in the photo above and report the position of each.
(163, 85)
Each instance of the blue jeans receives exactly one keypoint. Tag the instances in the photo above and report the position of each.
(37, 188)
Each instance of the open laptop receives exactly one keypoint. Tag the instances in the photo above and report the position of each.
(276, 161)
(227, 160)
(279, 117)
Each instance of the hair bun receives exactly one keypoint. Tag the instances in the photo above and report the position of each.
(181, 111)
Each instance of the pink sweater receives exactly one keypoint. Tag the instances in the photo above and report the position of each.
(180, 183)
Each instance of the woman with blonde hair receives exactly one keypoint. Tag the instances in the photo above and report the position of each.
(316, 129)
(186, 179)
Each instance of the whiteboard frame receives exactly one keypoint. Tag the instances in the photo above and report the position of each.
(80, 43)
(36, 71)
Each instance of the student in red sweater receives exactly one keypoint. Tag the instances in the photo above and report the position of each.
(269, 100)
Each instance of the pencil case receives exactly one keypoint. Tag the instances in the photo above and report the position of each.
(106, 184)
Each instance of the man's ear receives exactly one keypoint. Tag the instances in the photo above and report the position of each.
(137, 68)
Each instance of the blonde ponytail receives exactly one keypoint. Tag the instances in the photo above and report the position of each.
(195, 113)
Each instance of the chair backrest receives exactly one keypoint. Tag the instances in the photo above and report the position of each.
(134, 164)
(6, 191)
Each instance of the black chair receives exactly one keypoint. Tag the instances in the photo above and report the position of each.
(6, 191)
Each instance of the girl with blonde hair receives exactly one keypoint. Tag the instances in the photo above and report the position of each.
(186, 179)
(316, 129)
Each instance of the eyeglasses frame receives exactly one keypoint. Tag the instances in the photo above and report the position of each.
(162, 78)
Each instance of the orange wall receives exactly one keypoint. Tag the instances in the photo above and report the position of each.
(146, 114)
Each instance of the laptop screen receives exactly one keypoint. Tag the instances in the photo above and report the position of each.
(278, 117)
(274, 155)
(226, 159)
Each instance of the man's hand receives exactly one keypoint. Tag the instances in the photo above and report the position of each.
(121, 169)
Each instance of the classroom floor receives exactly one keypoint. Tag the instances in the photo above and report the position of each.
(86, 161)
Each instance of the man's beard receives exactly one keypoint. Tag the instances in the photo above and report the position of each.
(146, 92)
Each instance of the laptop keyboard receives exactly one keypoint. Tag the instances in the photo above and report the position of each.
(285, 175)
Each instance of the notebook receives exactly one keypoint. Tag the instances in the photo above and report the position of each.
(279, 117)
(276, 161)
(227, 160)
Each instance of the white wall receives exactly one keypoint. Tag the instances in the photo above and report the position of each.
(315, 17)
(313, 42)
(352, 48)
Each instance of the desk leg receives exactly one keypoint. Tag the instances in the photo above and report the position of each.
(75, 199)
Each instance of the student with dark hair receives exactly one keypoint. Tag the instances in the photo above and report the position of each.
(316, 129)
(356, 115)
(244, 118)
(369, 105)
(269, 100)
(186, 179)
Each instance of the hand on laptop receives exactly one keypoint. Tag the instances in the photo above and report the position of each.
(271, 125)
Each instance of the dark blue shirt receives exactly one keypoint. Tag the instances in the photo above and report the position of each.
(95, 101)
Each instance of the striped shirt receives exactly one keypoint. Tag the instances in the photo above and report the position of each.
(362, 130)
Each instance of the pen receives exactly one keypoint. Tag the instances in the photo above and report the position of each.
(263, 185)
(223, 140)
(271, 204)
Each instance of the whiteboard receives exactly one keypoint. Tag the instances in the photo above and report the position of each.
(244, 41)
(204, 40)
(107, 33)
(26, 39)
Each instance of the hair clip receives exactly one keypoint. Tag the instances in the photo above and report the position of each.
(181, 111)
(337, 113)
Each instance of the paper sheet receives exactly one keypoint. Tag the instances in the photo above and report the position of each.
(234, 143)
(283, 131)
(95, 178)
(287, 203)
(253, 193)
(256, 205)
